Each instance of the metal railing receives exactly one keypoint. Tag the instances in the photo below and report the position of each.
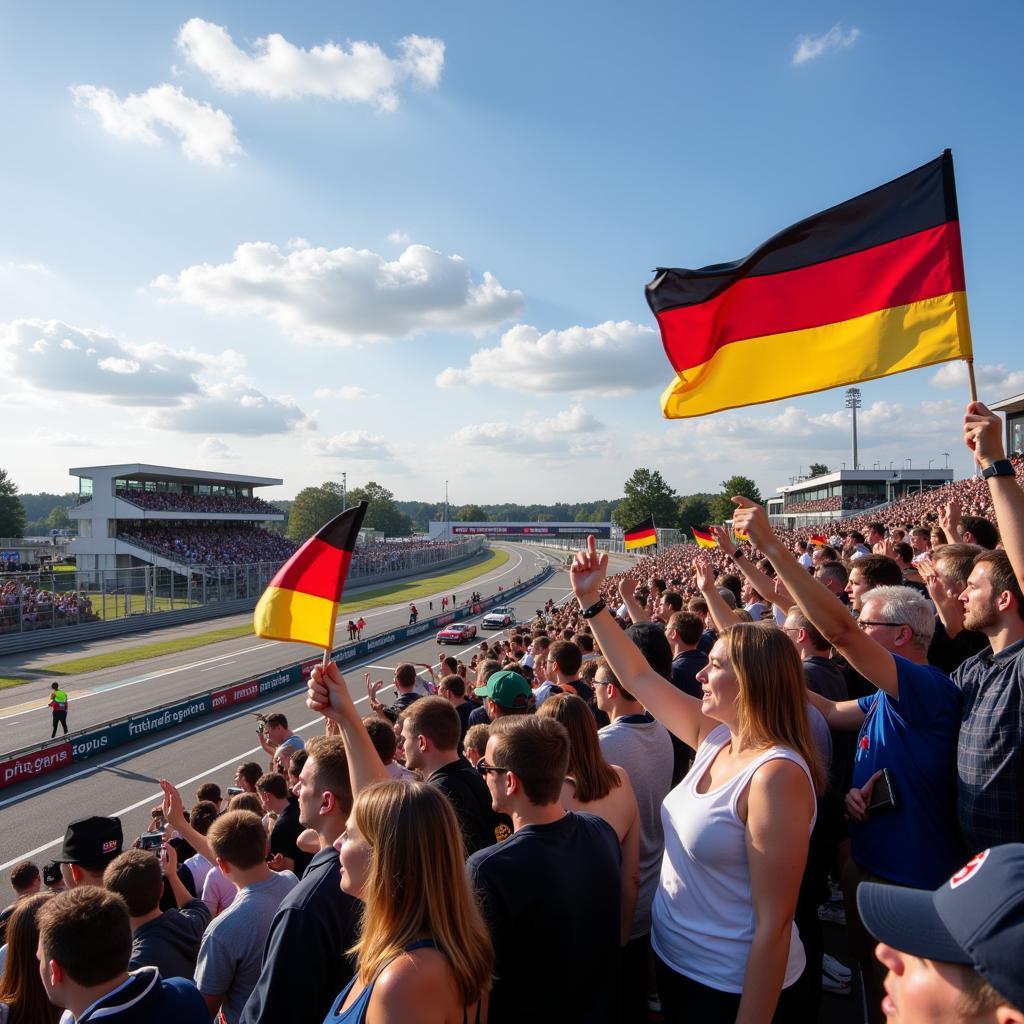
(53, 599)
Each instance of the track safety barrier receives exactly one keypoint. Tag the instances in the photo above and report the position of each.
(51, 756)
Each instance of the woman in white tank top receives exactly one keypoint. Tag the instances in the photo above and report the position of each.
(736, 828)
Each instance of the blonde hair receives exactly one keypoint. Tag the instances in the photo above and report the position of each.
(417, 885)
(772, 701)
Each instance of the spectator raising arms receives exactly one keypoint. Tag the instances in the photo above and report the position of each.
(737, 828)
(423, 953)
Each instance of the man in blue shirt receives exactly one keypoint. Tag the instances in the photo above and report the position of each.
(908, 728)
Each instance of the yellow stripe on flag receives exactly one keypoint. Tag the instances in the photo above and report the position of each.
(283, 614)
(799, 362)
(703, 542)
(641, 542)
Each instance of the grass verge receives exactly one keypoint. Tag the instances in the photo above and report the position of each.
(408, 590)
(6, 682)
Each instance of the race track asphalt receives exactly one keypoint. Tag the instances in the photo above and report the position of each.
(125, 783)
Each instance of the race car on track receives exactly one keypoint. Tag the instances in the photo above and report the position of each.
(498, 618)
(457, 633)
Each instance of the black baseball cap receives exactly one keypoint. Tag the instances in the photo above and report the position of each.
(976, 918)
(51, 873)
(92, 843)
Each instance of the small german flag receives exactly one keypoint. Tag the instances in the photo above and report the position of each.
(871, 287)
(741, 534)
(818, 540)
(704, 538)
(641, 536)
(301, 602)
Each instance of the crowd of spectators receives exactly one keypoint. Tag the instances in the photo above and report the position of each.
(208, 543)
(24, 606)
(651, 800)
(173, 501)
(379, 556)
(836, 503)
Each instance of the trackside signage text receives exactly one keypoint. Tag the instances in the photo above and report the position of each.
(28, 766)
(102, 738)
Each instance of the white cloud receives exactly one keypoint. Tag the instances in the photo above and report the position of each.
(215, 448)
(810, 47)
(13, 267)
(399, 238)
(987, 375)
(207, 135)
(608, 359)
(794, 428)
(357, 73)
(347, 393)
(345, 296)
(234, 407)
(352, 444)
(571, 431)
(54, 356)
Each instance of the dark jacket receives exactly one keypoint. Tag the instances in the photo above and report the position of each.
(170, 942)
(148, 999)
(304, 962)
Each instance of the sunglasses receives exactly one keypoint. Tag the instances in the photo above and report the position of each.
(483, 767)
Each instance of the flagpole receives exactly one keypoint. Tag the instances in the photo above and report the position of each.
(970, 379)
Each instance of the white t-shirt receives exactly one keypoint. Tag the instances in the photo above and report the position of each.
(703, 913)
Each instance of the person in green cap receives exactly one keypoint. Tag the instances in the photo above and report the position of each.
(59, 707)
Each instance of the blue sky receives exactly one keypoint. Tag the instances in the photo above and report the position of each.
(409, 241)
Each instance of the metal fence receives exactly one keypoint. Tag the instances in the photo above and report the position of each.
(54, 599)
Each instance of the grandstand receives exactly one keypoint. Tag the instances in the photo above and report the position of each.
(140, 515)
(847, 492)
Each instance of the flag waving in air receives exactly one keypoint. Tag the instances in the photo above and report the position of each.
(641, 535)
(704, 538)
(301, 602)
(868, 288)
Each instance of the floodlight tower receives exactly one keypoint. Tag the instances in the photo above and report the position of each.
(853, 403)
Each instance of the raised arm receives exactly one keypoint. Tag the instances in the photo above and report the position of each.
(721, 614)
(771, 590)
(627, 591)
(829, 616)
(677, 711)
(983, 435)
(174, 812)
(951, 611)
(328, 694)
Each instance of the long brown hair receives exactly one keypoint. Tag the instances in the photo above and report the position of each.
(417, 885)
(594, 777)
(772, 701)
(21, 988)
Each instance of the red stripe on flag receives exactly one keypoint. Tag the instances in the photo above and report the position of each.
(920, 266)
(316, 568)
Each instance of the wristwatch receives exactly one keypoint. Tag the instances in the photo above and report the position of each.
(1001, 467)
(597, 606)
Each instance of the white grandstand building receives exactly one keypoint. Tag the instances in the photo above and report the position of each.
(114, 500)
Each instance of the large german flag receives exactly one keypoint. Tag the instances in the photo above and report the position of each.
(301, 602)
(871, 287)
(640, 536)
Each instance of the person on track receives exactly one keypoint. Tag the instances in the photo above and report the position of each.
(59, 706)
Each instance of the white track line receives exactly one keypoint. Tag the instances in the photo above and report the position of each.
(28, 708)
(153, 746)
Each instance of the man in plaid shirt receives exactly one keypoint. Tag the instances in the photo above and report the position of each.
(990, 798)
